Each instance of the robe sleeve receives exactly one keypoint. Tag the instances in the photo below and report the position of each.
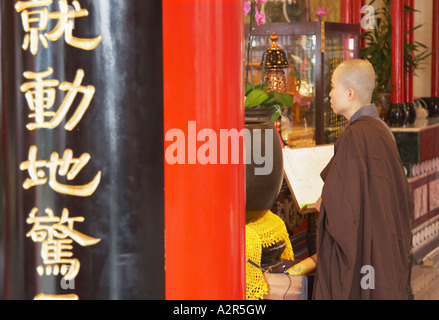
(342, 194)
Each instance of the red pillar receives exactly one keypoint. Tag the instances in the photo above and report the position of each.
(397, 51)
(204, 204)
(435, 49)
(356, 8)
(347, 11)
(408, 76)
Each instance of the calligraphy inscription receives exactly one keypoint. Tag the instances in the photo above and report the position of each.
(56, 234)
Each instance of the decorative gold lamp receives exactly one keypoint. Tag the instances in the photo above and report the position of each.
(276, 65)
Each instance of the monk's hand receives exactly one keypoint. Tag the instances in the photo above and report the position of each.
(318, 203)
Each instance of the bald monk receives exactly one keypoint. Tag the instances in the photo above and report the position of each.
(364, 227)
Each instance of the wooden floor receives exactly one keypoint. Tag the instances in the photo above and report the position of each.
(425, 278)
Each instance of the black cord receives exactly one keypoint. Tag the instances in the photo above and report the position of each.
(255, 265)
(285, 273)
(289, 286)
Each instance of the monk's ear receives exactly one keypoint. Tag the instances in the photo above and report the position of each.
(351, 94)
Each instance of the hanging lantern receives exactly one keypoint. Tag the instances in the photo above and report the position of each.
(276, 65)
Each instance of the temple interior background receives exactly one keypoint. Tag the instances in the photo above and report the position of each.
(150, 228)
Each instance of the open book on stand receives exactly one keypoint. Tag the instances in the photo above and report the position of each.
(302, 168)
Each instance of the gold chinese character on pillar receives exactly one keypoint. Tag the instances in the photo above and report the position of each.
(56, 236)
(40, 96)
(55, 297)
(66, 166)
(36, 16)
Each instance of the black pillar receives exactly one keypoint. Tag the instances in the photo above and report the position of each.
(97, 233)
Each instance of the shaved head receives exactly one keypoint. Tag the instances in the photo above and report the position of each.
(359, 75)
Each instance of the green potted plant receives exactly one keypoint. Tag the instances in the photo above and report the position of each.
(258, 98)
(378, 52)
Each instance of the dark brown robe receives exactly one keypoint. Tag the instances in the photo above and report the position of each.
(365, 217)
